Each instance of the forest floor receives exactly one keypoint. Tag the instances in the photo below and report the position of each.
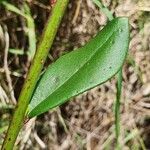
(87, 121)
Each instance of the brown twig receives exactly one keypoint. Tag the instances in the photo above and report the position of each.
(41, 5)
(77, 11)
(3, 96)
(7, 72)
(26, 133)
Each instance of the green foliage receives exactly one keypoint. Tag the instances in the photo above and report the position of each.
(82, 69)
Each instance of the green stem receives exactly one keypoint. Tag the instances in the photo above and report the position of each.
(104, 9)
(117, 108)
(34, 73)
(110, 17)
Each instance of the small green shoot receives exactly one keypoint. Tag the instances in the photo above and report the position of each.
(31, 32)
(104, 9)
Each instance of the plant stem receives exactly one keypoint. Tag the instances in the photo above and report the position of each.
(110, 17)
(34, 73)
(104, 9)
(117, 108)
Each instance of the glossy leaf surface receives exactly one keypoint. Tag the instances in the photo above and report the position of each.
(82, 69)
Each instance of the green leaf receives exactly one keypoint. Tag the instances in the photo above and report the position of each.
(82, 69)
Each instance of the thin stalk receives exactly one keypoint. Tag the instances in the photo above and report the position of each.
(104, 9)
(117, 108)
(34, 73)
(110, 17)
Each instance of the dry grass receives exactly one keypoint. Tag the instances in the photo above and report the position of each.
(86, 122)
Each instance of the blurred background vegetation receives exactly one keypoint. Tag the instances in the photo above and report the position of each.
(86, 122)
